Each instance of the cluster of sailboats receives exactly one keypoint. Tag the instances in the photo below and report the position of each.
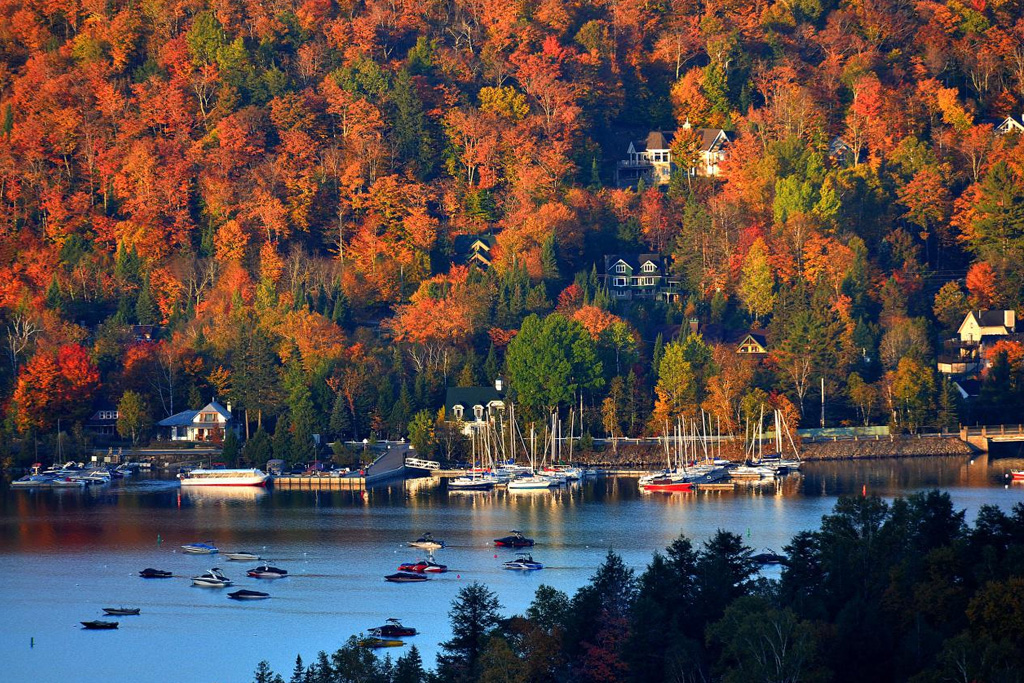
(494, 459)
(70, 475)
(693, 456)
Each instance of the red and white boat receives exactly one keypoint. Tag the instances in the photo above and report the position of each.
(1017, 475)
(201, 477)
(667, 482)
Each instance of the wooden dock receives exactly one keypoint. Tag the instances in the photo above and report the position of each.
(717, 486)
(314, 482)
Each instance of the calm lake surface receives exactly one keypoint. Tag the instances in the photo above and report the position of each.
(66, 554)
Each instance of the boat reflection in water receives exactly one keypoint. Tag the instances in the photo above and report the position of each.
(206, 495)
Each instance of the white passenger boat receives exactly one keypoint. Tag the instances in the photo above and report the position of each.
(533, 483)
(201, 477)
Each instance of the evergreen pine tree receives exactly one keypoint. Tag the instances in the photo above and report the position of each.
(492, 366)
(415, 141)
(230, 449)
(146, 312)
(281, 442)
(549, 259)
(258, 449)
(401, 412)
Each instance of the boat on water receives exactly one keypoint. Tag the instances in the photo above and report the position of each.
(218, 477)
(150, 573)
(427, 542)
(769, 556)
(200, 548)
(33, 481)
(428, 566)
(121, 611)
(406, 577)
(241, 555)
(752, 473)
(265, 571)
(393, 629)
(532, 483)
(211, 579)
(380, 642)
(66, 483)
(246, 594)
(524, 562)
(99, 625)
(672, 483)
(472, 483)
(514, 540)
(1016, 475)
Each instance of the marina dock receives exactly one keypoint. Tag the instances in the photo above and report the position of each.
(317, 482)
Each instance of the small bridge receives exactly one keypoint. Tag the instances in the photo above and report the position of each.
(982, 438)
(422, 464)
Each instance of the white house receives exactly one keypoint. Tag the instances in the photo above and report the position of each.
(1010, 125)
(474, 407)
(980, 324)
(209, 423)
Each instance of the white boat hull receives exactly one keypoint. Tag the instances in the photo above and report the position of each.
(225, 478)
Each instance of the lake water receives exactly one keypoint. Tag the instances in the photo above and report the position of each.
(66, 554)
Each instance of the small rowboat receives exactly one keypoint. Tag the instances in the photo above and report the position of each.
(245, 594)
(150, 573)
(406, 577)
(99, 625)
(121, 611)
(241, 555)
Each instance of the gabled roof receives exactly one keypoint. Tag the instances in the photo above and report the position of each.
(634, 261)
(711, 138)
(758, 337)
(215, 407)
(989, 318)
(467, 397)
(662, 139)
(656, 139)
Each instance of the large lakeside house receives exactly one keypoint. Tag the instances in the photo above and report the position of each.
(965, 354)
(473, 408)
(208, 424)
(651, 159)
(639, 276)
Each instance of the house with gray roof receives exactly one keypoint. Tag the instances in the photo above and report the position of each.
(639, 276)
(209, 423)
(474, 407)
(650, 159)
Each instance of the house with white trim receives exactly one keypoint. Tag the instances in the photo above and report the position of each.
(639, 276)
(651, 159)
(209, 423)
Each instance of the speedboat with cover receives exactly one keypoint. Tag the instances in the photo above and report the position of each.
(211, 579)
(427, 542)
(406, 577)
(393, 629)
(523, 561)
(121, 611)
(668, 481)
(98, 625)
(150, 573)
(200, 548)
(246, 594)
(427, 566)
(265, 571)
(241, 555)
(514, 540)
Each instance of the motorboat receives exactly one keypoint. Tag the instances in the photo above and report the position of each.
(245, 594)
(66, 483)
(1016, 475)
(473, 483)
(406, 577)
(514, 540)
(98, 625)
(428, 566)
(224, 477)
(380, 642)
(93, 476)
(523, 561)
(33, 481)
(531, 483)
(265, 571)
(121, 611)
(150, 573)
(241, 555)
(393, 629)
(672, 482)
(211, 579)
(426, 542)
(200, 548)
(752, 472)
(769, 556)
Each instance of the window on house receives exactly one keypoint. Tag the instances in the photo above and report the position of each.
(478, 411)
(619, 281)
(649, 267)
(621, 268)
(457, 410)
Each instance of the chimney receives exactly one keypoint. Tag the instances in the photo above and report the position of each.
(499, 385)
(694, 326)
(1010, 319)
(228, 406)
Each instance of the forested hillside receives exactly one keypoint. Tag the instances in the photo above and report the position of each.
(278, 186)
